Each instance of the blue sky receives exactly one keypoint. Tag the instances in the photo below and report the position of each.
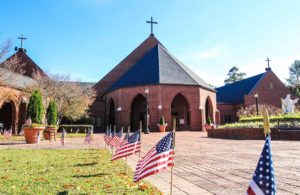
(87, 38)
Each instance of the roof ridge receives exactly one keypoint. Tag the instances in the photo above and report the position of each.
(257, 82)
(237, 82)
(185, 68)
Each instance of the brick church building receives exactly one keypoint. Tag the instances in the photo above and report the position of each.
(151, 75)
(231, 97)
(13, 108)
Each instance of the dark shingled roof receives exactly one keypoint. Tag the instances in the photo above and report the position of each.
(234, 93)
(158, 66)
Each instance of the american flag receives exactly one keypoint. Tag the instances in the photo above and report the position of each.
(88, 138)
(130, 145)
(157, 159)
(116, 139)
(62, 139)
(263, 180)
(107, 136)
(7, 134)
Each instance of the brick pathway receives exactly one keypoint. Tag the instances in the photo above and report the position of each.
(210, 166)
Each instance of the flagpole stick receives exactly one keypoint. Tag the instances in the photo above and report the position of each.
(128, 131)
(140, 149)
(174, 131)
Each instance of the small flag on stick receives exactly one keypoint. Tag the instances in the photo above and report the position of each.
(267, 130)
(116, 139)
(88, 138)
(157, 159)
(130, 145)
(263, 180)
(62, 139)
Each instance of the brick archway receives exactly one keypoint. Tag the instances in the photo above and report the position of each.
(8, 115)
(112, 113)
(209, 110)
(137, 112)
(180, 111)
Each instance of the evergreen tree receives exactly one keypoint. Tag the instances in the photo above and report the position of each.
(52, 113)
(234, 75)
(35, 109)
(294, 78)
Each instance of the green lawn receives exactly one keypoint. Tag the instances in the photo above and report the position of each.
(21, 138)
(46, 171)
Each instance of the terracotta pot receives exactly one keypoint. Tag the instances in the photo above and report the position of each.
(162, 128)
(30, 134)
(50, 133)
(209, 127)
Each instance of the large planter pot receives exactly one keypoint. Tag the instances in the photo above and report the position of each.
(162, 128)
(50, 133)
(30, 134)
(208, 127)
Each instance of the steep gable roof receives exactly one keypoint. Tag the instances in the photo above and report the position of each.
(117, 72)
(234, 93)
(18, 81)
(21, 61)
(158, 66)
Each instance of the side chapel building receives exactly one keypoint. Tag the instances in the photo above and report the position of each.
(150, 73)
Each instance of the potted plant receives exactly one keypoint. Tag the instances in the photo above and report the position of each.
(51, 116)
(208, 125)
(162, 124)
(35, 113)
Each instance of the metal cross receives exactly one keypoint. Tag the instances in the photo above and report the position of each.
(22, 38)
(268, 60)
(151, 22)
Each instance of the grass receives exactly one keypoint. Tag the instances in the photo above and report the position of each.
(65, 172)
(21, 138)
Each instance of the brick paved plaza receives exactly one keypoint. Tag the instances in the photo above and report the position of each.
(211, 166)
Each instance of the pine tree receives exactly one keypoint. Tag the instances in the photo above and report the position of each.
(294, 77)
(234, 75)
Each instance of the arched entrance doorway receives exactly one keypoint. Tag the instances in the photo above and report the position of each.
(209, 110)
(112, 113)
(180, 112)
(138, 112)
(7, 113)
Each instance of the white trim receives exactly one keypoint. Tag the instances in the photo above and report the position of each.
(255, 188)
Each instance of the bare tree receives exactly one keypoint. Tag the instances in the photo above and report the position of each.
(73, 101)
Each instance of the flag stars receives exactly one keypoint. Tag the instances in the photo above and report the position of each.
(267, 191)
(261, 182)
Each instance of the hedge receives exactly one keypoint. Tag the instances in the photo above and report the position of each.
(273, 119)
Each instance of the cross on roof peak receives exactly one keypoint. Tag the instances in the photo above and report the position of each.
(268, 60)
(151, 22)
(22, 38)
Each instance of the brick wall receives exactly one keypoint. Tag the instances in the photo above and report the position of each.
(16, 103)
(161, 95)
(270, 89)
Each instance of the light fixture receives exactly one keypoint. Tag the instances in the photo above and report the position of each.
(159, 107)
(119, 109)
(146, 90)
(256, 95)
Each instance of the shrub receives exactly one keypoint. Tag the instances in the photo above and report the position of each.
(35, 109)
(250, 111)
(52, 113)
(208, 120)
(162, 121)
(279, 118)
